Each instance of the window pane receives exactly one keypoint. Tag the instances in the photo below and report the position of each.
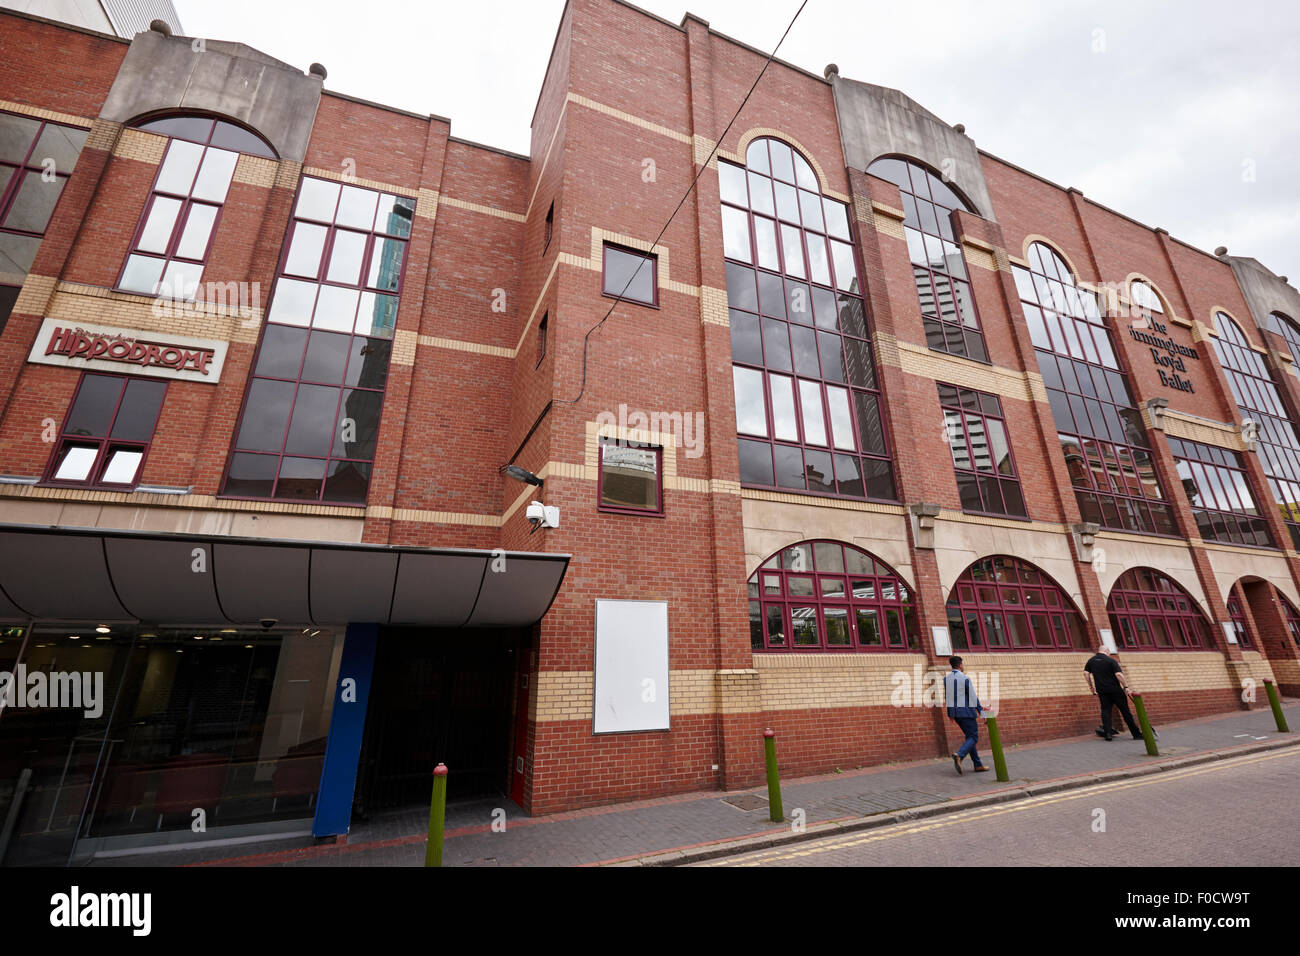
(16, 136)
(629, 477)
(837, 400)
(783, 414)
(386, 264)
(735, 234)
(198, 229)
(92, 412)
(251, 476)
(157, 231)
(358, 427)
(756, 463)
(368, 364)
(265, 416)
(377, 315)
(846, 278)
(180, 280)
(327, 357)
(214, 175)
(293, 302)
(792, 246)
(814, 421)
(837, 626)
(305, 250)
(178, 167)
(393, 219)
(230, 136)
(75, 462)
(347, 482)
(311, 432)
(629, 275)
(138, 412)
(731, 183)
(142, 274)
(746, 341)
(336, 309)
(357, 208)
(300, 479)
(317, 199)
(16, 255)
(123, 463)
(345, 257)
(281, 353)
(765, 240)
(751, 418)
(34, 203)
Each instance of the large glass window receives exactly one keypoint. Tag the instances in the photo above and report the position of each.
(311, 417)
(107, 431)
(1005, 604)
(1150, 611)
(1283, 326)
(981, 452)
(1101, 430)
(179, 222)
(942, 283)
(1215, 481)
(807, 399)
(631, 479)
(36, 159)
(1259, 400)
(829, 596)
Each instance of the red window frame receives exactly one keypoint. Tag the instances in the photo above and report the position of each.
(105, 444)
(1238, 617)
(1140, 598)
(928, 207)
(1102, 434)
(996, 492)
(658, 509)
(320, 280)
(652, 258)
(873, 599)
(1292, 617)
(18, 173)
(995, 602)
(1258, 398)
(831, 349)
(1225, 508)
(188, 203)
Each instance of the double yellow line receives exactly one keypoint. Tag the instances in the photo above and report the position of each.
(830, 844)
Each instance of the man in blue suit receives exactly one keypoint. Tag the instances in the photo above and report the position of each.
(964, 709)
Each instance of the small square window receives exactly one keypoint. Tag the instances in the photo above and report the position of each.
(631, 477)
(631, 275)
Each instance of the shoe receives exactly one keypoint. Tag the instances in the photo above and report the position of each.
(981, 769)
(1138, 737)
(1108, 738)
(1099, 732)
(956, 762)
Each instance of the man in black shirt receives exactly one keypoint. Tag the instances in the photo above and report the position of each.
(1108, 683)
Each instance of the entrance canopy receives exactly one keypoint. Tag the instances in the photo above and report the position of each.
(65, 574)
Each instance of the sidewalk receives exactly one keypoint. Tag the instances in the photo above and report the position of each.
(628, 832)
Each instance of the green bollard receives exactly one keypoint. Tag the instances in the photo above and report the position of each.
(1147, 735)
(995, 742)
(773, 779)
(437, 816)
(1276, 704)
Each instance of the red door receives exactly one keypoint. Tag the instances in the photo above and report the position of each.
(523, 670)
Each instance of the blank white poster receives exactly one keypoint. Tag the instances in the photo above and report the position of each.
(631, 684)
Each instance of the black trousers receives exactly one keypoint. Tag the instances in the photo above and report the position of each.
(1116, 698)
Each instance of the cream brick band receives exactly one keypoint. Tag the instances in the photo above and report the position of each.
(499, 351)
(256, 170)
(889, 226)
(103, 135)
(713, 307)
(71, 119)
(816, 501)
(34, 297)
(73, 302)
(141, 146)
(404, 342)
(942, 367)
(793, 681)
(980, 258)
(1207, 431)
(595, 262)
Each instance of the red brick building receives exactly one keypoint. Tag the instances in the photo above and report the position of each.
(872, 397)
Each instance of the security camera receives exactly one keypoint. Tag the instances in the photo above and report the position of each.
(542, 516)
(270, 622)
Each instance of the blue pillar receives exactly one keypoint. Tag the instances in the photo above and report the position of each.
(338, 779)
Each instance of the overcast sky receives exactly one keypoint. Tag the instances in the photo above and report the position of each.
(1181, 114)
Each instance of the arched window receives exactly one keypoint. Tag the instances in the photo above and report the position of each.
(1100, 428)
(1292, 618)
(1144, 299)
(807, 398)
(1258, 400)
(1238, 616)
(938, 266)
(1150, 611)
(174, 237)
(1283, 326)
(1001, 603)
(830, 596)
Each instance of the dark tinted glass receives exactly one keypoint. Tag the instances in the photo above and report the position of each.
(312, 430)
(368, 364)
(281, 355)
(194, 128)
(139, 410)
(358, 424)
(265, 416)
(92, 412)
(251, 476)
(230, 136)
(327, 357)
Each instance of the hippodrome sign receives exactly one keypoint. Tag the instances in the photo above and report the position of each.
(109, 349)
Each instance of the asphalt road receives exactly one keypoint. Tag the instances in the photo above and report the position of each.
(1238, 812)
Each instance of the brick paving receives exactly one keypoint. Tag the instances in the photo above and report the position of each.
(623, 831)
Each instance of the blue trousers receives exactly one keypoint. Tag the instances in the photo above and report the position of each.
(970, 726)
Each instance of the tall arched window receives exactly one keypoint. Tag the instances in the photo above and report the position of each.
(1100, 428)
(938, 266)
(807, 398)
(1150, 611)
(1285, 327)
(1238, 617)
(1001, 603)
(1258, 400)
(1292, 618)
(830, 596)
(174, 237)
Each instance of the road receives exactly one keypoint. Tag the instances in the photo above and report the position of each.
(1238, 812)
